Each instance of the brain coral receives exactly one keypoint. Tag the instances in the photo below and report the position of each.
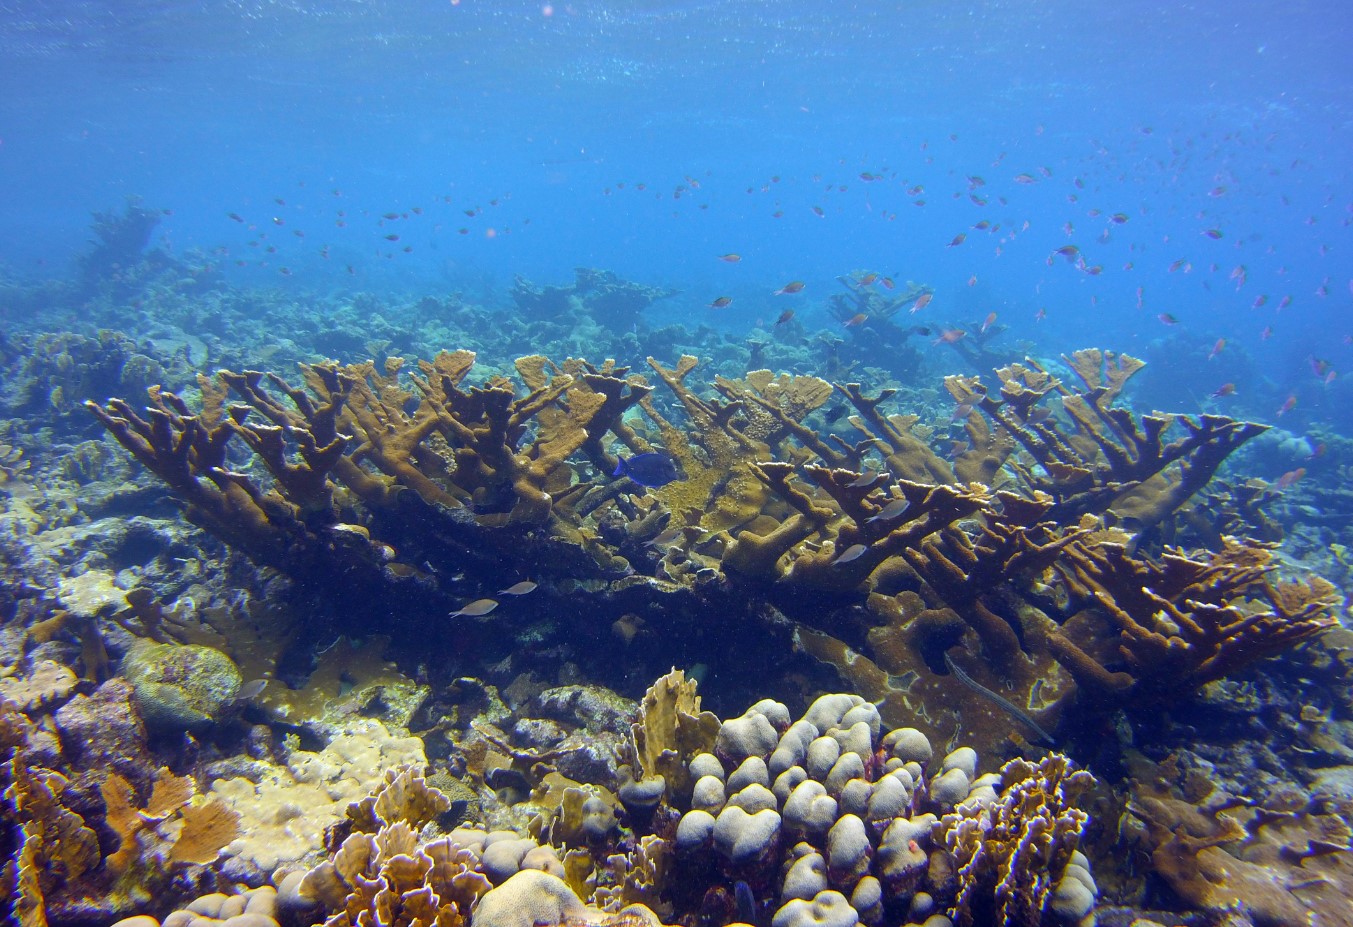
(179, 686)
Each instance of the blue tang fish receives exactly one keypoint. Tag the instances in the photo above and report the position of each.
(653, 469)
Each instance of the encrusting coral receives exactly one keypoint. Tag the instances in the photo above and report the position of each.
(1022, 557)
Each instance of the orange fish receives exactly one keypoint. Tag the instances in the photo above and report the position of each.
(1216, 348)
(922, 301)
(794, 287)
(721, 302)
(867, 279)
(1167, 319)
(1040, 315)
(785, 317)
(1226, 389)
(730, 258)
(1287, 479)
(988, 322)
(950, 336)
(1288, 405)
(958, 240)
(887, 283)
(856, 320)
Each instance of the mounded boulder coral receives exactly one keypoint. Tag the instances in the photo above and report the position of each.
(856, 828)
(180, 686)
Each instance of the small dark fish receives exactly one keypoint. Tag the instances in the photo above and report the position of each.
(721, 303)
(795, 286)
(866, 478)
(853, 552)
(654, 469)
(520, 588)
(785, 317)
(476, 609)
(746, 902)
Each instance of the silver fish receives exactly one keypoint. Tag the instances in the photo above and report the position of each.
(476, 609)
(890, 511)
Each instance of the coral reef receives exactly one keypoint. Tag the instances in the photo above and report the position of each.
(1026, 547)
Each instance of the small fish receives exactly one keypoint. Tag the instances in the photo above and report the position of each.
(1213, 234)
(1288, 405)
(890, 511)
(1287, 479)
(988, 322)
(1267, 333)
(721, 302)
(795, 286)
(1070, 252)
(958, 240)
(730, 258)
(785, 317)
(853, 552)
(887, 283)
(922, 301)
(1025, 178)
(1167, 319)
(866, 280)
(950, 336)
(521, 588)
(818, 211)
(1259, 301)
(856, 320)
(866, 478)
(1226, 389)
(1216, 348)
(653, 469)
(234, 215)
(392, 237)
(972, 281)
(1216, 192)
(476, 609)
(1284, 302)
(1177, 265)
(251, 690)
(1040, 315)
(669, 536)
(390, 215)
(1238, 275)
(1118, 218)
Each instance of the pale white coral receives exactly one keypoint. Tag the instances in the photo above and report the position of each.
(283, 816)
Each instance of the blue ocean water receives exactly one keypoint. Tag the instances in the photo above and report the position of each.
(1196, 155)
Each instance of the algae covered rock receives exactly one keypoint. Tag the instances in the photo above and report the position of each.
(179, 686)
